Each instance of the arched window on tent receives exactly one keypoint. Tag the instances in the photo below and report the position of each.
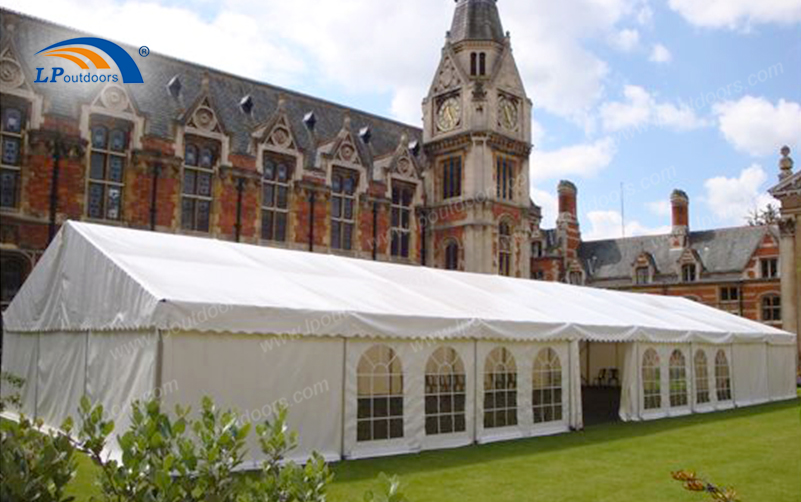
(500, 389)
(701, 378)
(452, 256)
(445, 392)
(651, 380)
(722, 376)
(546, 387)
(678, 380)
(380, 395)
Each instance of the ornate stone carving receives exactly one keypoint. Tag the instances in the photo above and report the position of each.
(114, 98)
(11, 75)
(448, 77)
(346, 152)
(280, 137)
(204, 119)
(405, 167)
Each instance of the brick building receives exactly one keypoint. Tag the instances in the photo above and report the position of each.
(201, 152)
(733, 269)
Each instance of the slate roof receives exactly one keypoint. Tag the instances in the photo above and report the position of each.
(720, 251)
(477, 20)
(161, 110)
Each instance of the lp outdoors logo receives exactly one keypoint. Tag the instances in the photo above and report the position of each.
(65, 50)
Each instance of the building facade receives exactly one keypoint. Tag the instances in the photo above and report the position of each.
(788, 191)
(200, 152)
(738, 270)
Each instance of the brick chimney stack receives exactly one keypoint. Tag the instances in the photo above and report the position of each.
(680, 209)
(568, 200)
(567, 223)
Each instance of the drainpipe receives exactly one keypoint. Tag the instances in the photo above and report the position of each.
(153, 197)
(375, 230)
(312, 197)
(57, 152)
(240, 188)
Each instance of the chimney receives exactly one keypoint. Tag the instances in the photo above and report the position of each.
(568, 196)
(567, 223)
(680, 205)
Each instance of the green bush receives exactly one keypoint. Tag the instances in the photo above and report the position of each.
(165, 459)
(163, 462)
(35, 466)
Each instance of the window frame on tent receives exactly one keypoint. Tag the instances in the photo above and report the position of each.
(379, 415)
(500, 386)
(547, 394)
(678, 384)
(651, 381)
(445, 393)
(722, 377)
(702, 387)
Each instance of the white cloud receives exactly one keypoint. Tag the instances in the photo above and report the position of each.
(584, 160)
(660, 54)
(360, 46)
(756, 126)
(625, 40)
(549, 203)
(660, 207)
(732, 199)
(227, 42)
(736, 14)
(609, 225)
(640, 110)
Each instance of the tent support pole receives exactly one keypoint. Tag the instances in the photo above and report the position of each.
(344, 395)
(157, 380)
(475, 391)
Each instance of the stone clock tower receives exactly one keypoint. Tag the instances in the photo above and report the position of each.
(477, 137)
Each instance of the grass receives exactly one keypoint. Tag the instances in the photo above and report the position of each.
(756, 450)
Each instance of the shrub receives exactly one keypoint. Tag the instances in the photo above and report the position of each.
(162, 462)
(35, 466)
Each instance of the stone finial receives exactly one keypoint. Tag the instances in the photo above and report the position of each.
(786, 163)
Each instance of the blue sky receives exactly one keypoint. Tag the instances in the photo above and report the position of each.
(653, 94)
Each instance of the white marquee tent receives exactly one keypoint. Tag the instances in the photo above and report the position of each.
(372, 358)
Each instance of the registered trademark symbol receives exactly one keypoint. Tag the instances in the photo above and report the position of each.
(144, 51)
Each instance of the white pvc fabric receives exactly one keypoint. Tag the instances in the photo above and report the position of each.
(102, 278)
(371, 358)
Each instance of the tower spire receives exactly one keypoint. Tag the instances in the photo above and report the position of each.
(476, 20)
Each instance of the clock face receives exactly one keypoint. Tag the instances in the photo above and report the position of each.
(507, 110)
(449, 114)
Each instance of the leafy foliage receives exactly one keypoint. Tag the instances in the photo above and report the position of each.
(11, 386)
(35, 466)
(165, 459)
(163, 462)
(759, 217)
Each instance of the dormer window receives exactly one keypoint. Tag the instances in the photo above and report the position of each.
(642, 275)
(689, 273)
(575, 278)
(770, 268)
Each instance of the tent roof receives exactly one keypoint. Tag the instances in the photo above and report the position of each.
(95, 277)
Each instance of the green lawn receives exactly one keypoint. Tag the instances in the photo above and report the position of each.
(756, 450)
